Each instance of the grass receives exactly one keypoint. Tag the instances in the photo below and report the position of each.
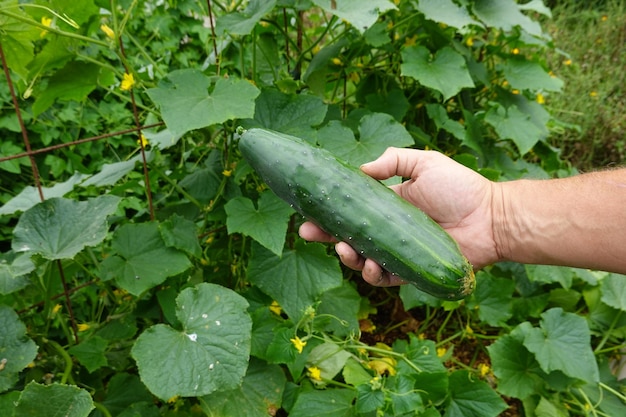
(593, 68)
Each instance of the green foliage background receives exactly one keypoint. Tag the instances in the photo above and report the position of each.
(159, 276)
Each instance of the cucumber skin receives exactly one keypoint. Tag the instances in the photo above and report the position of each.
(361, 211)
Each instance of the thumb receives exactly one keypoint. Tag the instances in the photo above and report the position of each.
(394, 161)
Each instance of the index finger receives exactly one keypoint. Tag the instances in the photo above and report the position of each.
(311, 232)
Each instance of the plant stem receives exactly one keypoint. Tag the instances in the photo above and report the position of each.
(66, 357)
(607, 333)
(100, 407)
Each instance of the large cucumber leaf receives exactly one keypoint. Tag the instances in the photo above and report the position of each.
(60, 228)
(211, 351)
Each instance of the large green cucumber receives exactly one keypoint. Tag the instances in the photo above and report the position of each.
(361, 211)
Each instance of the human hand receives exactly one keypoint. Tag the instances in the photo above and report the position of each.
(453, 195)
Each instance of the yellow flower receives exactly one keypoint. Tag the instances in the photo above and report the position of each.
(441, 351)
(515, 51)
(298, 343)
(83, 327)
(515, 91)
(275, 308)
(593, 94)
(142, 141)
(227, 172)
(567, 62)
(484, 369)
(127, 82)
(410, 41)
(604, 18)
(540, 98)
(56, 308)
(469, 42)
(108, 31)
(47, 22)
(336, 61)
(315, 373)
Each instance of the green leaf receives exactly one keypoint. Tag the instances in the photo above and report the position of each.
(266, 224)
(377, 132)
(54, 400)
(16, 349)
(17, 40)
(377, 35)
(7, 403)
(90, 353)
(518, 372)
(186, 103)
(438, 114)
(122, 391)
(563, 343)
(369, 399)
(60, 228)
(180, 233)
(260, 392)
(446, 72)
(511, 123)
(361, 15)
(209, 354)
(29, 196)
(342, 305)
(111, 173)
(330, 358)
(613, 291)
(527, 75)
(354, 373)
(505, 14)
(13, 271)
(492, 298)
(536, 6)
(447, 12)
(472, 398)
(551, 274)
(242, 23)
(298, 278)
(142, 260)
(327, 403)
(72, 82)
(404, 397)
(546, 408)
(292, 114)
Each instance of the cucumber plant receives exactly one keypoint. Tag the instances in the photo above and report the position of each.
(146, 269)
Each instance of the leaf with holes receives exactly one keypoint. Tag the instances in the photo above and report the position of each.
(211, 351)
(60, 228)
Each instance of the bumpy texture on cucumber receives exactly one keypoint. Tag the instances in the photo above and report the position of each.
(361, 211)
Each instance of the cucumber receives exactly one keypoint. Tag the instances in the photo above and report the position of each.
(361, 211)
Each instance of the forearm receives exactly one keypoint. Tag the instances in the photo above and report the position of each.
(578, 221)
